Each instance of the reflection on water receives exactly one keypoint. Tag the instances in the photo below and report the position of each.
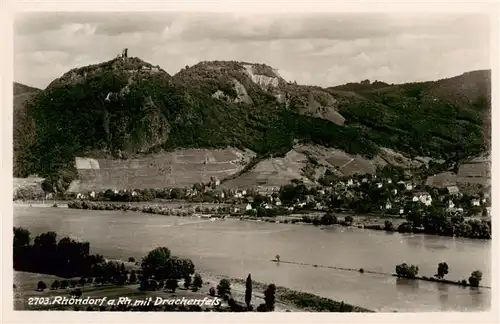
(236, 248)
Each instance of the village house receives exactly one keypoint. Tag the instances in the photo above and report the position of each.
(453, 190)
(409, 186)
(134, 193)
(248, 207)
(116, 191)
(388, 180)
(394, 191)
(388, 205)
(401, 211)
(350, 182)
(364, 180)
(379, 185)
(475, 202)
(80, 196)
(277, 202)
(92, 194)
(451, 204)
(49, 196)
(423, 198)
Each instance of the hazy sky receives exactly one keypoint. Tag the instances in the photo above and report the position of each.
(326, 49)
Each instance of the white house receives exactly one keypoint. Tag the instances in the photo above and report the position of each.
(116, 191)
(395, 191)
(451, 204)
(49, 196)
(301, 204)
(278, 202)
(409, 186)
(453, 190)
(350, 182)
(475, 202)
(80, 196)
(248, 207)
(388, 205)
(244, 193)
(92, 194)
(415, 198)
(134, 193)
(379, 185)
(401, 211)
(364, 180)
(389, 180)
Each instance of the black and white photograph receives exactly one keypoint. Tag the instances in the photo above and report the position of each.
(252, 162)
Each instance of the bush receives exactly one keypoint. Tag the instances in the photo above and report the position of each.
(361, 270)
(224, 287)
(475, 278)
(211, 291)
(171, 284)
(131, 259)
(41, 286)
(405, 271)
(55, 284)
(197, 281)
(187, 281)
(64, 284)
(82, 282)
(388, 226)
(348, 220)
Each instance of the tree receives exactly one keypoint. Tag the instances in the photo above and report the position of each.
(269, 297)
(224, 287)
(187, 281)
(55, 284)
(211, 291)
(133, 277)
(131, 259)
(248, 291)
(155, 262)
(348, 220)
(197, 281)
(41, 286)
(442, 270)
(171, 284)
(475, 278)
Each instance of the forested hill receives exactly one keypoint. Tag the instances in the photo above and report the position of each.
(127, 106)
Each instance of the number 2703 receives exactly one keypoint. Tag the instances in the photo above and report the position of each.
(38, 301)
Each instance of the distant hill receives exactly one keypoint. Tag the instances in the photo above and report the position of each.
(126, 107)
(24, 131)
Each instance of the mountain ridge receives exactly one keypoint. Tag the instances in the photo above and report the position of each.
(126, 106)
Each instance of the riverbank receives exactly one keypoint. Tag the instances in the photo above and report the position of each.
(287, 300)
(462, 283)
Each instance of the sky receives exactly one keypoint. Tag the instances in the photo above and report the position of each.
(315, 49)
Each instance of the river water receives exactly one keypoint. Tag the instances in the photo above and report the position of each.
(236, 248)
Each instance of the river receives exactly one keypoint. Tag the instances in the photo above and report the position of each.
(236, 248)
